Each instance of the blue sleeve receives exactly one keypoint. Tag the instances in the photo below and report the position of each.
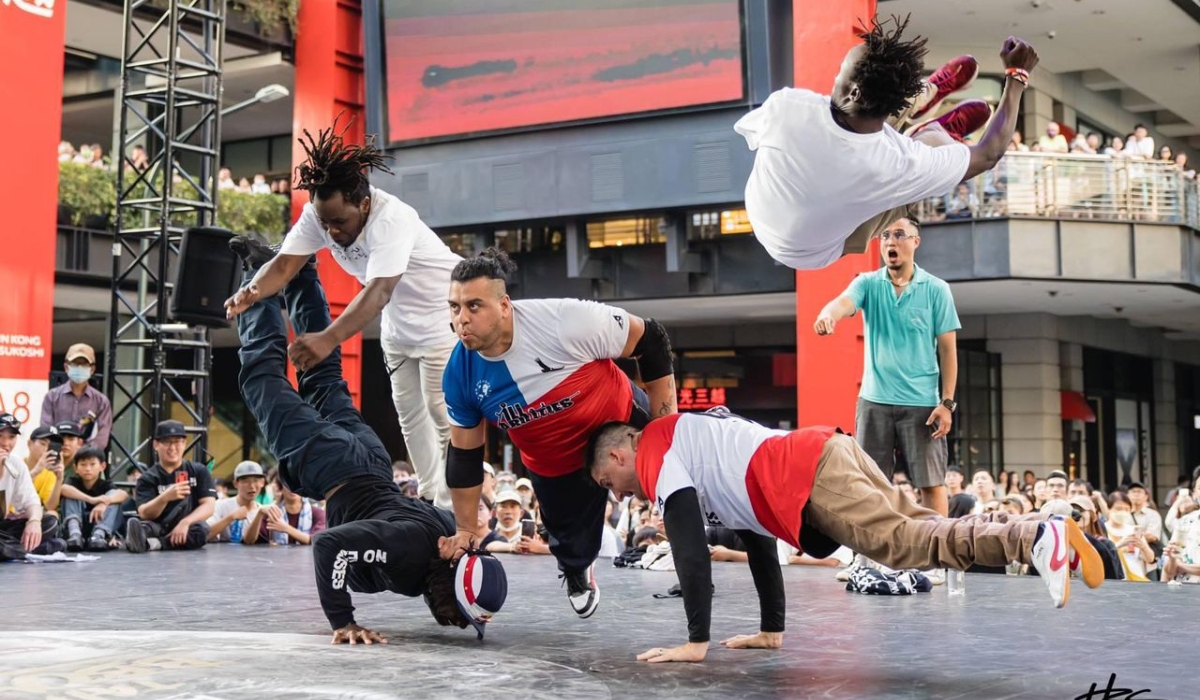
(945, 316)
(857, 291)
(461, 403)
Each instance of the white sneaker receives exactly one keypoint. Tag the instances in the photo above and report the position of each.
(936, 576)
(858, 562)
(582, 591)
(1050, 555)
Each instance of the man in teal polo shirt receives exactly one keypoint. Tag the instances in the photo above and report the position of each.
(911, 330)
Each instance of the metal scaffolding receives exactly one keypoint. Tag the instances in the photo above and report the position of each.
(170, 104)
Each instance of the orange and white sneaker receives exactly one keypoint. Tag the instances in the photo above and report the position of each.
(1050, 554)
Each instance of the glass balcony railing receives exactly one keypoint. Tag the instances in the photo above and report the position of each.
(1073, 187)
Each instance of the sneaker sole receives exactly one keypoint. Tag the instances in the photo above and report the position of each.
(591, 608)
(913, 131)
(937, 101)
(135, 540)
(1091, 568)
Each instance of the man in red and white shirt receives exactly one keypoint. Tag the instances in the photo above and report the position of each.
(814, 489)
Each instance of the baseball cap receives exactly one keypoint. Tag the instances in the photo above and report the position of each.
(480, 589)
(523, 482)
(69, 428)
(489, 469)
(169, 429)
(9, 422)
(83, 350)
(43, 432)
(506, 496)
(248, 468)
(1136, 485)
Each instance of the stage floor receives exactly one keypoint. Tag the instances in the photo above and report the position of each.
(234, 623)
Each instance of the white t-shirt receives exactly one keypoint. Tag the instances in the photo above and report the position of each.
(394, 242)
(814, 182)
(16, 488)
(224, 507)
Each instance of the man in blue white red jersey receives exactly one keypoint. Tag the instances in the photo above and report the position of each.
(542, 369)
(814, 489)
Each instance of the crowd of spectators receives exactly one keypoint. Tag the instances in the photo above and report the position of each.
(139, 160)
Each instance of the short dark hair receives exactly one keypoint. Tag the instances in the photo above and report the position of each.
(985, 470)
(1083, 483)
(493, 263)
(1139, 126)
(601, 438)
(332, 166)
(891, 72)
(439, 594)
(90, 452)
(1057, 474)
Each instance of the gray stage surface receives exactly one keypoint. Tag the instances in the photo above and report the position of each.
(234, 623)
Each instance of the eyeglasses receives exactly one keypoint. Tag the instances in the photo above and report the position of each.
(898, 236)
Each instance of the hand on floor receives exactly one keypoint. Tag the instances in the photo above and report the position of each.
(352, 634)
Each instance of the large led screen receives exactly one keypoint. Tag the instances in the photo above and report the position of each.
(459, 67)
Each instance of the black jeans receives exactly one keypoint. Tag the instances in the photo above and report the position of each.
(573, 506)
(197, 535)
(12, 529)
(318, 436)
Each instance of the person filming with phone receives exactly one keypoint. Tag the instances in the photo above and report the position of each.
(46, 464)
(25, 525)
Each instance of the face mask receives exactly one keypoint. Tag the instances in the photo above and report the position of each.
(79, 375)
(525, 499)
(1119, 518)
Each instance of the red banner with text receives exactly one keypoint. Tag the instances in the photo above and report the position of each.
(31, 66)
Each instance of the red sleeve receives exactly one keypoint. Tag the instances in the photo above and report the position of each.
(655, 441)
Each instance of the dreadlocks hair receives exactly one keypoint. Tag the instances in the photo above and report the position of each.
(889, 75)
(492, 263)
(439, 594)
(333, 166)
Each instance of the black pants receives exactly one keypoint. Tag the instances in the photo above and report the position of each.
(11, 531)
(197, 535)
(318, 436)
(573, 506)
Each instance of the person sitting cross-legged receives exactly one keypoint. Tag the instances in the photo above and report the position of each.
(91, 504)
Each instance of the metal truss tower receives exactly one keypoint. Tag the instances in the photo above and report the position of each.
(170, 104)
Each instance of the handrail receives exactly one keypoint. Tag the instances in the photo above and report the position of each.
(1073, 187)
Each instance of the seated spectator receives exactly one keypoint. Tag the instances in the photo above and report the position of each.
(1053, 141)
(610, 544)
(1014, 505)
(294, 520)
(1136, 555)
(45, 465)
(91, 504)
(238, 519)
(1089, 522)
(401, 471)
(953, 481)
(225, 180)
(961, 504)
(411, 488)
(1079, 487)
(174, 497)
(1184, 504)
(1056, 486)
(488, 538)
(962, 204)
(984, 487)
(633, 511)
(508, 516)
(524, 488)
(222, 488)
(25, 526)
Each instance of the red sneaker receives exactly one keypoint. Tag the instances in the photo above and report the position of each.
(956, 75)
(965, 119)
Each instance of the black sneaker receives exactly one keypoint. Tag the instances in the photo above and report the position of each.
(97, 543)
(253, 252)
(53, 545)
(75, 543)
(582, 591)
(135, 536)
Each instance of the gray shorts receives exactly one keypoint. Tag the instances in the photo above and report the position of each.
(881, 430)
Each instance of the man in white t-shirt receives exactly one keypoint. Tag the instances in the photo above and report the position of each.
(831, 171)
(405, 269)
(232, 517)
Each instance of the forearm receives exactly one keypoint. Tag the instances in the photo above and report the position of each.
(34, 512)
(114, 497)
(690, 551)
(464, 475)
(661, 393)
(365, 307)
(203, 512)
(301, 537)
(253, 528)
(1189, 569)
(768, 579)
(274, 276)
(56, 494)
(839, 308)
(69, 491)
(150, 510)
(948, 363)
(1000, 129)
(332, 590)
(219, 527)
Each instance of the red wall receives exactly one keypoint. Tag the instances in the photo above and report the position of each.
(829, 368)
(329, 81)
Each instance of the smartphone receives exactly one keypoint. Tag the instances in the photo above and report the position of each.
(181, 477)
(528, 528)
(55, 456)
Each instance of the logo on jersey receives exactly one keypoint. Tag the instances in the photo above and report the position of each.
(712, 519)
(349, 255)
(482, 388)
(545, 368)
(620, 321)
(515, 415)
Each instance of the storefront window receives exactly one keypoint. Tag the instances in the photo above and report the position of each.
(526, 239)
(713, 224)
(622, 232)
(976, 438)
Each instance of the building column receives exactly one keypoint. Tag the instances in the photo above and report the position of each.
(1030, 382)
(329, 83)
(1166, 430)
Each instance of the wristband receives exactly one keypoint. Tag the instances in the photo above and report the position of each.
(1018, 74)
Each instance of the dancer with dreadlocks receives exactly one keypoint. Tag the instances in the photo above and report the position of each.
(378, 539)
(405, 271)
(832, 171)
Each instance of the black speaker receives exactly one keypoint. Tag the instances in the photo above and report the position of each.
(208, 273)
